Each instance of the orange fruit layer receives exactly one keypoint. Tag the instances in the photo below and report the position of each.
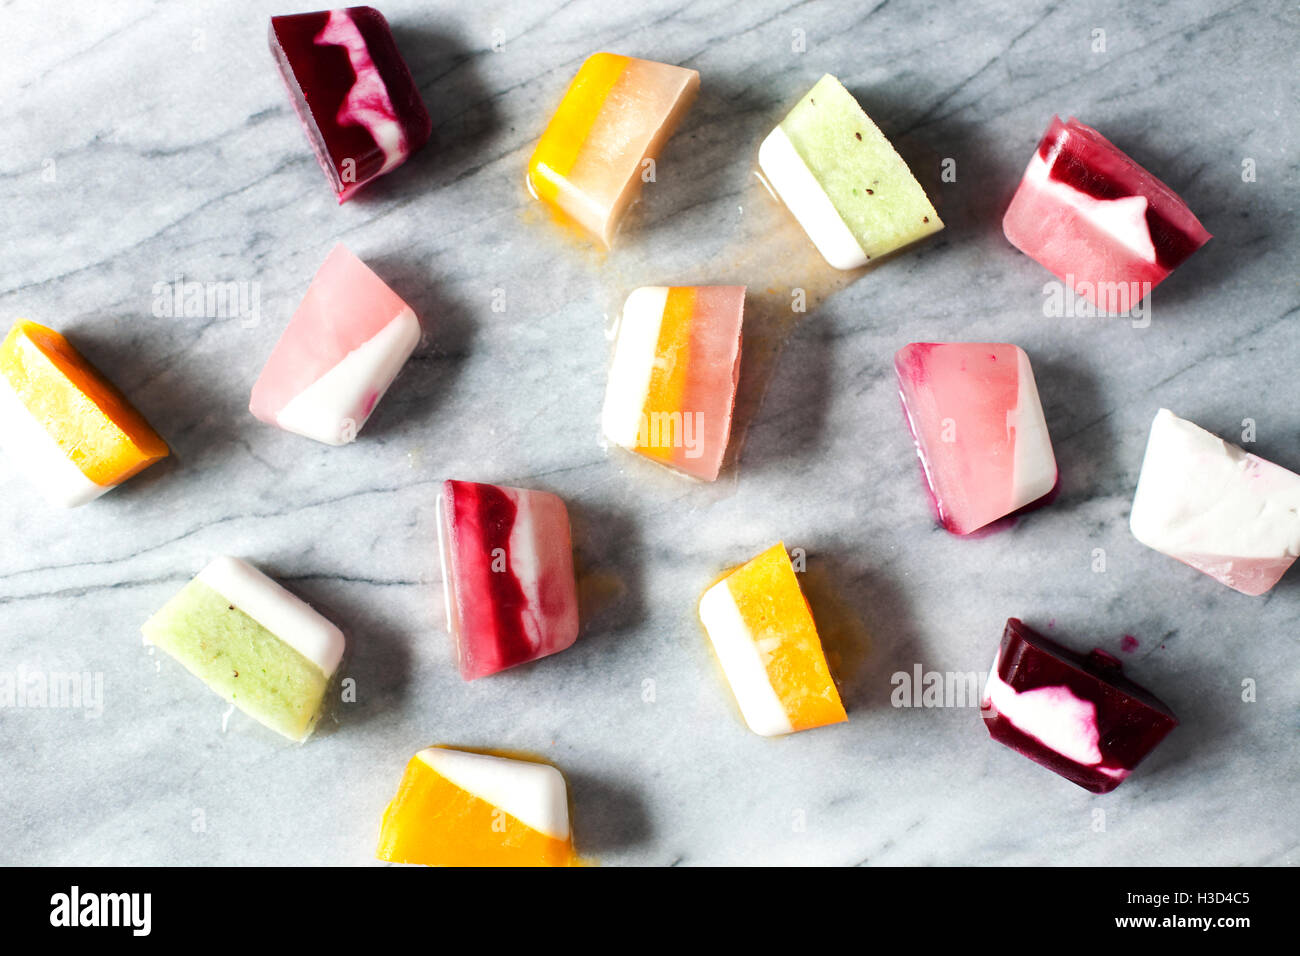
(90, 420)
(774, 609)
(557, 151)
(434, 822)
(668, 381)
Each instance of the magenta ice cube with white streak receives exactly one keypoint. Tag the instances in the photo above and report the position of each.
(1099, 221)
(343, 347)
(979, 429)
(352, 91)
(507, 571)
(1075, 714)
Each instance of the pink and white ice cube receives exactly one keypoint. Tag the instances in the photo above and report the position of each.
(979, 429)
(1215, 507)
(343, 347)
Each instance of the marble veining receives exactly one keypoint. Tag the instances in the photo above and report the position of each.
(148, 145)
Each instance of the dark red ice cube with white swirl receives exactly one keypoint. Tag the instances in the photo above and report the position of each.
(1075, 714)
(1099, 221)
(352, 91)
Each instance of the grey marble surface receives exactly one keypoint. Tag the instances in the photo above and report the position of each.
(140, 142)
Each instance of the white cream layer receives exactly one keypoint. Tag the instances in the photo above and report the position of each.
(329, 408)
(1124, 220)
(803, 195)
(285, 615)
(1053, 716)
(1034, 469)
(444, 552)
(1199, 495)
(742, 662)
(535, 794)
(524, 552)
(35, 453)
(367, 103)
(635, 355)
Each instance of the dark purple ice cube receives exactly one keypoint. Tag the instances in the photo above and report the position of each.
(1076, 715)
(352, 91)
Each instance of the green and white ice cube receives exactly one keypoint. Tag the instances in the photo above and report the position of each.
(843, 181)
(253, 643)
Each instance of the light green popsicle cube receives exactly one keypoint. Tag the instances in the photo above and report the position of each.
(846, 159)
(216, 627)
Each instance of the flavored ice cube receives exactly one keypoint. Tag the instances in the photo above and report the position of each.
(979, 429)
(507, 572)
(1218, 508)
(1076, 715)
(345, 344)
(459, 808)
(253, 643)
(62, 424)
(672, 384)
(1100, 222)
(763, 633)
(617, 113)
(353, 94)
(842, 179)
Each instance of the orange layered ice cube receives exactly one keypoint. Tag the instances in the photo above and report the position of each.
(617, 113)
(63, 424)
(672, 383)
(763, 632)
(462, 808)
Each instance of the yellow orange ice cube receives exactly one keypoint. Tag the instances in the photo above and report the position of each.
(63, 423)
(618, 112)
(672, 384)
(763, 632)
(462, 808)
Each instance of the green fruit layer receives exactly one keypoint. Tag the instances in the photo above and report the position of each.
(867, 181)
(239, 659)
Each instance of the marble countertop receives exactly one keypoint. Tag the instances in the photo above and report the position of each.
(143, 144)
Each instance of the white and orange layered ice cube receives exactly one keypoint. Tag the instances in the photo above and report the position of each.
(672, 384)
(462, 808)
(62, 424)
(763, 633)
(618, 113)
(979, 429)
(343, 347)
